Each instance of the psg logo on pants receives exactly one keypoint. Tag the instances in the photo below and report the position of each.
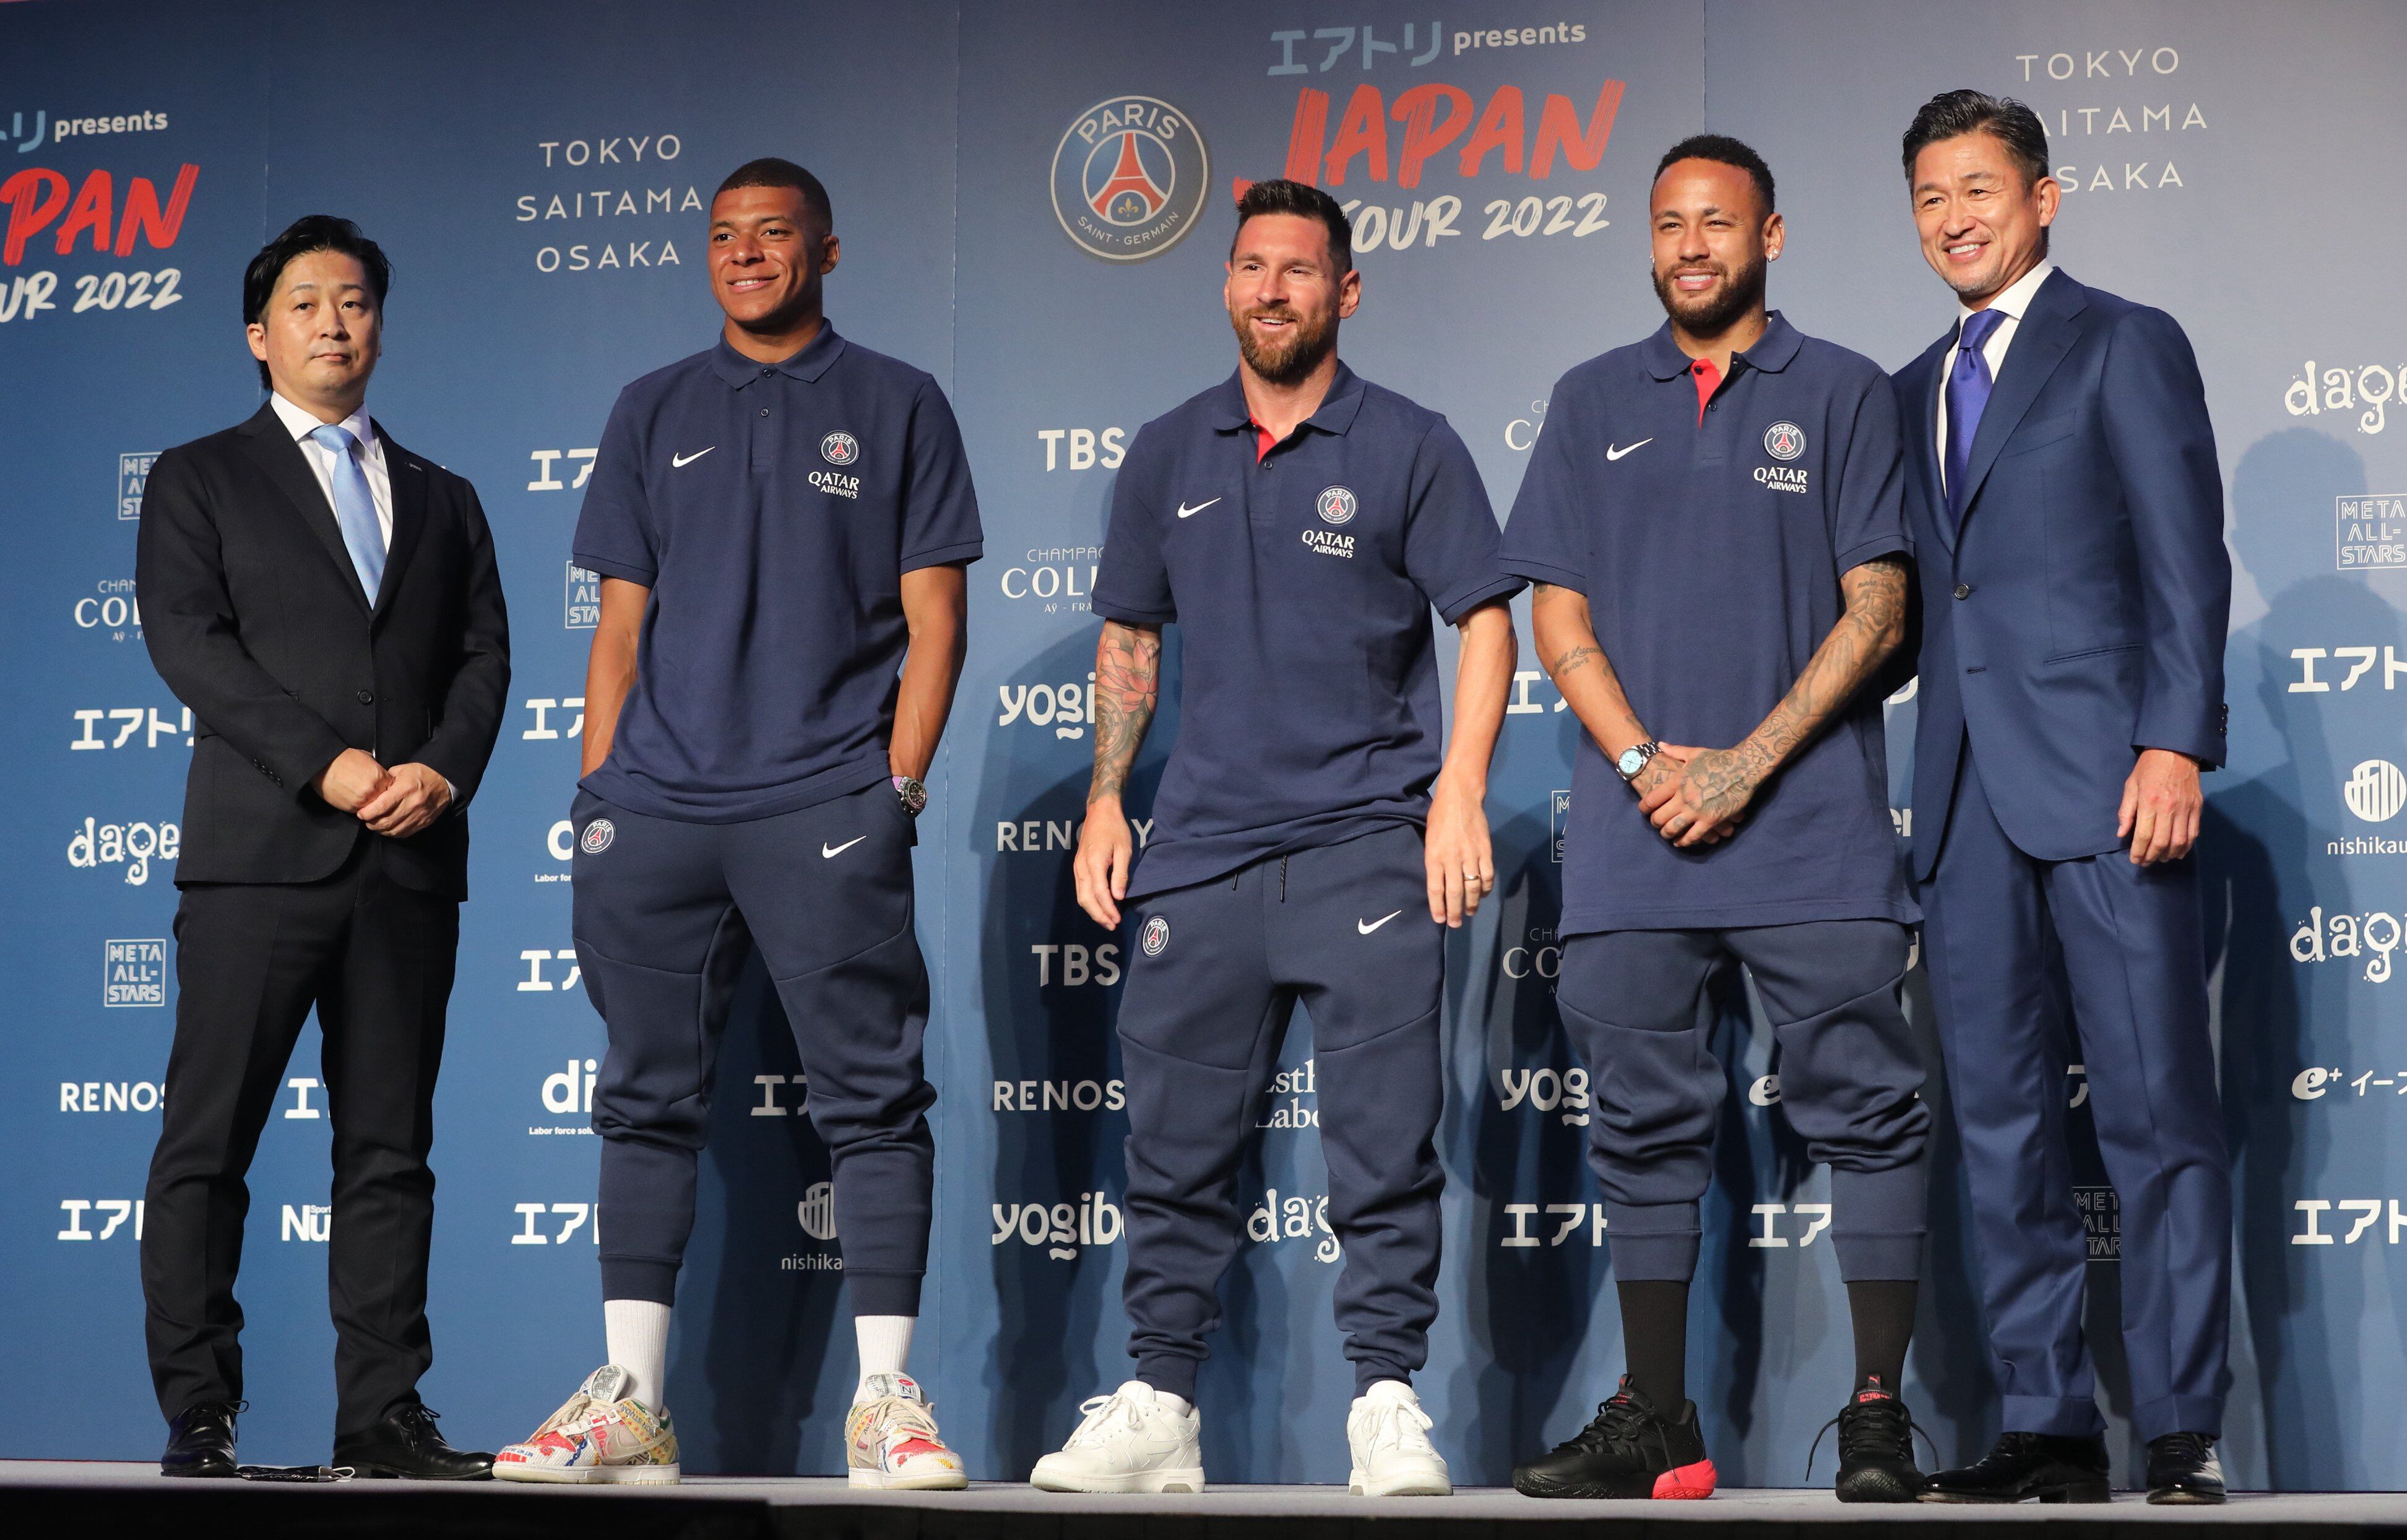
(1155, 936)
(597, 836)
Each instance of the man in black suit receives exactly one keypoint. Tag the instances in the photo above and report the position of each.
(327, 603)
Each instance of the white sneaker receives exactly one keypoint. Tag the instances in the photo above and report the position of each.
(891, 1443)
(1389, 1433)
(597, 1435)
(1132, 1441)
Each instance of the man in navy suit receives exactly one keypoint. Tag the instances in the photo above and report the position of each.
(2068, 517)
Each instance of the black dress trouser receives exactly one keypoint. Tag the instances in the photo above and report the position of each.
(375, 959)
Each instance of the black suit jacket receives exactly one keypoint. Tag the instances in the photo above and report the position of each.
(254, 617)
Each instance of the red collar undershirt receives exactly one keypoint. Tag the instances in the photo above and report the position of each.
(1708, 379)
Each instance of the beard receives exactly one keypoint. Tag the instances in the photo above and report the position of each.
(1288, 361)
(1710, 314)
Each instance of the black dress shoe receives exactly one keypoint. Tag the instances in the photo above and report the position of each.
(406, 1444)
(2052, 1467)
(2184, 1468)
(200, 1440)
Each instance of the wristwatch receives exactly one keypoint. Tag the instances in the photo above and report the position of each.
(1634, 760)
(913, 794)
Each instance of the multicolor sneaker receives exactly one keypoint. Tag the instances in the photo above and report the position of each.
(598, 1436)
(1631, 1449)
(890, 1440)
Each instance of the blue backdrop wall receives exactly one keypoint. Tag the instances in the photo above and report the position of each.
(538, 172)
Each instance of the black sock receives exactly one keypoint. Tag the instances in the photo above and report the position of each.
(1883, 1312)
(1654, 1338)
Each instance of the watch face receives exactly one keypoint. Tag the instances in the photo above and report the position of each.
(1630, 763)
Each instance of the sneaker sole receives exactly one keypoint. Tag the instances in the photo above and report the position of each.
(1875, 1486)
(1189, 1481)
(592, 1475)
(1358, 1484)
(882, 1481)
(1682, 1484)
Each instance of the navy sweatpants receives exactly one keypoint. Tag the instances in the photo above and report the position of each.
(1640, 1007)
(1214, 972)
(667, 913)
(2135, 954)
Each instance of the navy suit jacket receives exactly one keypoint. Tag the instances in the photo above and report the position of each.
(2079, 615)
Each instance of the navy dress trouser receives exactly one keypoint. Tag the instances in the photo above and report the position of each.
(1346, 930)
(1640, 1007)
(2135, 957)
(667, 913)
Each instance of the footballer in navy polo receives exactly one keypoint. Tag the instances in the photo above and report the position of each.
(781, 523)
(1714, 521)
(1315, 832)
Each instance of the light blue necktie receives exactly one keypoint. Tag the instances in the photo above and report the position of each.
(354, 506)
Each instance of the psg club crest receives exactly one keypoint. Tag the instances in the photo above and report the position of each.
(839, 449)
(597, 836)
(1129, 177)
(1783, 441)
(1335, 504)
(1155, 936)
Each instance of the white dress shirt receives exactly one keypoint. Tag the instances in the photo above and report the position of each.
(2009, 304)
(301, 423)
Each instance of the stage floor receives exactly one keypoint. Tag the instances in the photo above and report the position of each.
(96, 1497)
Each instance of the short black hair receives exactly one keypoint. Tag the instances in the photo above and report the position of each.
(775, 171)
(1954, 113)
(1721, 147)
(308, 234)
(1279, 195)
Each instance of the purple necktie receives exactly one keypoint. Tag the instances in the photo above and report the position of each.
(1967, 393)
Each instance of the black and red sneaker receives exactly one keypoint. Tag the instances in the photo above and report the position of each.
(1630, 1450)
(1876, 1448)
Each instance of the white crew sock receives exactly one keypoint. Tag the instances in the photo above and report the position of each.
(885, 1346)
(637, 1332)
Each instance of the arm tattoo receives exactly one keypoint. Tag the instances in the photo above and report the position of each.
(1128, 684)
(1868, 632)
(1573, 658)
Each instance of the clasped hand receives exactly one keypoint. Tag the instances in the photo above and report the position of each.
(395, 803)
(1695, 796)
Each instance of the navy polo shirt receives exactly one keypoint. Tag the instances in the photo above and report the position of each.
(1302, 582)
(1710, 552)
(772, 509)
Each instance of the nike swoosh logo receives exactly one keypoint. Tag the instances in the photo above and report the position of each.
(1367, 926)
(1613, 453)
(1186, 512)
(829, 851)
(679, 462)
